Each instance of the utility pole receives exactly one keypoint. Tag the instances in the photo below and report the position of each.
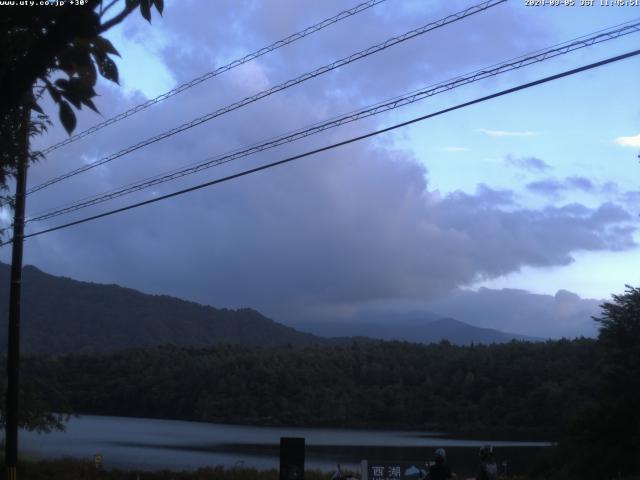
(13, 351)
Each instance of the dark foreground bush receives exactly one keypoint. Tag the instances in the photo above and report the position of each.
(69, 469)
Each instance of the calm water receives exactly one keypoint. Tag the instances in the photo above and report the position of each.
(146, 444)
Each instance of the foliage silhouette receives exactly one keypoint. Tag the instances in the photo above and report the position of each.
(524, 386)
(59, 51)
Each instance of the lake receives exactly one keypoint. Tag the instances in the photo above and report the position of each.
(148, 444)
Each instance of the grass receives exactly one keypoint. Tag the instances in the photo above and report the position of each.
(70, 469)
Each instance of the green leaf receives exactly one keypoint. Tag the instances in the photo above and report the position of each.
(88, 74)
(84, 88)
(76, 90)
(73, 96)
(62, 83)
(159, 6)
(108, 69)
(67, 117)
(34, 106)
(55, 94)
(65, 63)
(89, 103)
(105, 45)
(145, 9)
(79, 54)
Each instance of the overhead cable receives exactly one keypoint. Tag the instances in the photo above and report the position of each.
(283, 86)
(214, 73)
(335, 145)
(397, 102)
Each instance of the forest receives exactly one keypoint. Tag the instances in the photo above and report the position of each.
(581, 393)
(530, 387)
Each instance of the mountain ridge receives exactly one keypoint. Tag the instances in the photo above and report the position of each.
(63, 315)
(412, 328)
(124, 318)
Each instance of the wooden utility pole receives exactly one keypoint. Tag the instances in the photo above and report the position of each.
(13, 351)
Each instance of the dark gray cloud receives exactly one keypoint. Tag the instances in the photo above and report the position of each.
(562, 314)
(328, 235)
(631, 198)
(610, 188)
(553, 187)
(580, 183)
(532, 164)
(492, 37)
(550, 187)
(348, 229)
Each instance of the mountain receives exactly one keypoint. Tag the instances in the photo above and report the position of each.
(462, 333)
(64, 315)
(412, 327)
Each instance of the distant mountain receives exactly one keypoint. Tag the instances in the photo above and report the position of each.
(64, 315)
(462, 333)
(412, 327)
(61, 315)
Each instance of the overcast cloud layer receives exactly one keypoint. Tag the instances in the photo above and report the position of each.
(351, 229)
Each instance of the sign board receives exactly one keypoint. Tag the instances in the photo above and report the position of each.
(97, 458)
(291, 458)
(386, 470)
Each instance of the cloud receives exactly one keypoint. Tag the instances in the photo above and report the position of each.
(533, 164)
(631, 198)
(331, 233)
(580, 183)
(506, 133)
(372, 79)
(327, 234)
(610, 188)
(553, 187)
(633, 141)
(550, 187)
(562, 314)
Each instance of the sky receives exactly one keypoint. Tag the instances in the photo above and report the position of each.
(519, 213)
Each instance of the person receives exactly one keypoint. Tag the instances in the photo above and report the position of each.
(488, 468)
(440, 470)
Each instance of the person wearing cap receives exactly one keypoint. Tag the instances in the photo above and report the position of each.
(488, 468)
(440, 470)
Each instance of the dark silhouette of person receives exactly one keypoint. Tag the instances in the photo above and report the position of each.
(440, 470)
(488, 469)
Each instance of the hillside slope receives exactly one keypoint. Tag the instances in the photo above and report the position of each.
(417, 328)
(64, 315)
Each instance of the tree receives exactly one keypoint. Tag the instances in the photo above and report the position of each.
(56, 50)
(603, 438)
(44, 407)
(618, 411)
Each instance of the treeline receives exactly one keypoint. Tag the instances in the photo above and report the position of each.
(515, 386)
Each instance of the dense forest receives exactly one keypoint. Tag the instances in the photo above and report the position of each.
(584, 392)
(519, 385)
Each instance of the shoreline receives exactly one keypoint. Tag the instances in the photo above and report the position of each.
(427, 431)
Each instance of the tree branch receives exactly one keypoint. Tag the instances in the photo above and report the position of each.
(118, 18)
(105, 9)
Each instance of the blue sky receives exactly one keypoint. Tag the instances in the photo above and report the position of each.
(572, 125)
(532, 193)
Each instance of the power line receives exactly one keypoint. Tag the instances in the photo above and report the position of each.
(214, 73)
(397, 102)
(283, 86)
(338, 144)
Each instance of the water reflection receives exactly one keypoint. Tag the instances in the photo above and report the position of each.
(147, 444)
